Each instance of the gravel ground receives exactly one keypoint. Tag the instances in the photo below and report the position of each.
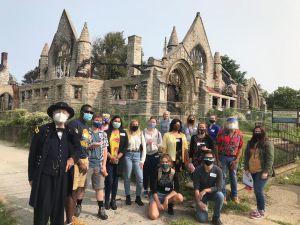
(283, 202)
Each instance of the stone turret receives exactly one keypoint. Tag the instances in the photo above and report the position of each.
(134, 54)
(4, 72)
(43, 62)
(173, 41)
(84, 52)
(217, 71)
(165, 48)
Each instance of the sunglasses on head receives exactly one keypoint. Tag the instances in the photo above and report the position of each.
(209, 159)
(87, 111)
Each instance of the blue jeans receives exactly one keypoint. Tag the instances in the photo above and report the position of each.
(111, 182)
(132, 162)
(226, 164)
(218, 198)
(258, 185)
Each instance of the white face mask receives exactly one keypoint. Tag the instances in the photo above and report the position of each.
(60, 117)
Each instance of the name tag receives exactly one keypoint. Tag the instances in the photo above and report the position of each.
(212, 130)
(167, 189)
(213, 175)
(122, 134)
(200, 143)
(177, 140)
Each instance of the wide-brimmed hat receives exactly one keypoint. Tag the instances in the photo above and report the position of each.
(60, 105)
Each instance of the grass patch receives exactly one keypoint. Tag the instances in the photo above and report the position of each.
(6, 217)
(183, 222)
(293, 179)
(241, 207)
(280, 222)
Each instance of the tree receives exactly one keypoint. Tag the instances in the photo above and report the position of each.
(233, 68)
(110, 50)
(284, 97)
(31, 76)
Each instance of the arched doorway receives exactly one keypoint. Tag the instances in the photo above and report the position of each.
(175, 88)
(6, 102)
(253, 98)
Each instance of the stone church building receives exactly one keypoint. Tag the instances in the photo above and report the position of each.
(188, 78)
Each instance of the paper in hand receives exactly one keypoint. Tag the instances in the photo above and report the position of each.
(247, 179)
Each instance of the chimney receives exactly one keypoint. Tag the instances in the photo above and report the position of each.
(134, 54)
(4, 59)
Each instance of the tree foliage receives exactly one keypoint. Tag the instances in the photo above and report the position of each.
(31, 76)
(284, 97)
(233, 68)
(110, 50)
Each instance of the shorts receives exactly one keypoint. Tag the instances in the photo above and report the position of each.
(161, 197)
(95, 177)
(79, 178)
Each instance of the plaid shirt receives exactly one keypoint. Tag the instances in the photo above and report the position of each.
(96, 155)
(229, 145)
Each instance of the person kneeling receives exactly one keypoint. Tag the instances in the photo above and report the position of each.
(208, 180)
(165, 189)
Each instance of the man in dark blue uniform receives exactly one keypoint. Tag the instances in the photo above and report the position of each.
(53, 151)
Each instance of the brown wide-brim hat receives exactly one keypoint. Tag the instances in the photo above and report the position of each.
(60, 105)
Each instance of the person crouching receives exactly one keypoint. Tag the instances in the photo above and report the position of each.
(165, 189)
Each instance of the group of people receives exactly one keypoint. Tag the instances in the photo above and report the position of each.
(66, 157)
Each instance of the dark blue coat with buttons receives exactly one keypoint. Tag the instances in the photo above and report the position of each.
(49, 154)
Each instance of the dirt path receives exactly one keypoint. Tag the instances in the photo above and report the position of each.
(283, 202)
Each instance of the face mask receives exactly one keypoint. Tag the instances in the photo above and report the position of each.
(116, 125)
(257, 136)
(60, 117)
(106, 120)
(176, 127)
(152, 125)
(191, 120)
(134, 128)
(201, 131)
(212, 121)
(87, 116)
(207, 162)
(97, 124)
(165, 166)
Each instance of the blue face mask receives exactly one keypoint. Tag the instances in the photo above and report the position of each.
(152, 125)
(87, 116)
(116, 125)
(165, 166)
(97, 124)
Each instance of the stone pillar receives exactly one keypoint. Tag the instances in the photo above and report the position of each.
(4, 59)
(227, 103)
(219, 105)
(217, 71)
(134, 54)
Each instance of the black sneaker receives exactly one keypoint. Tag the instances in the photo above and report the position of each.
(77, 210)
(128, 200)
(216, 222)
(113, 204)
(101, 213)
(138, 201)
(171, 209)
(106, 205)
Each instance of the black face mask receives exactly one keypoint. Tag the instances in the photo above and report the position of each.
(134, 128)
(176, 127)
(212, 121)
(208, 163)
(257, 136)
(201, 131)
(191, 120)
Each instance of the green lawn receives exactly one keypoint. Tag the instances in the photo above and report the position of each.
(6, 217)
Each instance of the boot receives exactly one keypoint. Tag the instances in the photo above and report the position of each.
(101, 213)
(171, 209)
(128, 200)
(138, 201)
(236, 200)
(113, 204)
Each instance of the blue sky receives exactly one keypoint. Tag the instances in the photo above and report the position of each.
(263, 36)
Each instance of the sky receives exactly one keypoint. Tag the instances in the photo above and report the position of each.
(263, 36)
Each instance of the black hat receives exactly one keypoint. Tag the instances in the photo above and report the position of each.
(60, 105)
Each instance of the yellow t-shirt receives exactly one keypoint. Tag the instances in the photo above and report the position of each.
(254, 162)
(114, 142)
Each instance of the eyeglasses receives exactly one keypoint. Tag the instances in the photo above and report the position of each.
(87, 111)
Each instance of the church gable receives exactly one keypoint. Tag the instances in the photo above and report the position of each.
(62, 51)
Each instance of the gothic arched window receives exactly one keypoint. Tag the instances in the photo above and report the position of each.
(62, 64)
(198, 57)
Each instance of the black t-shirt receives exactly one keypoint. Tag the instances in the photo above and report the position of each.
(165, 185)
(179, 149)
(195, 153)
(212, 179)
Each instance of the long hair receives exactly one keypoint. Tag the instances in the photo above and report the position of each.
(260, 142)
(110, 128)
(206, 131)
(129, 131)
(173, 122)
